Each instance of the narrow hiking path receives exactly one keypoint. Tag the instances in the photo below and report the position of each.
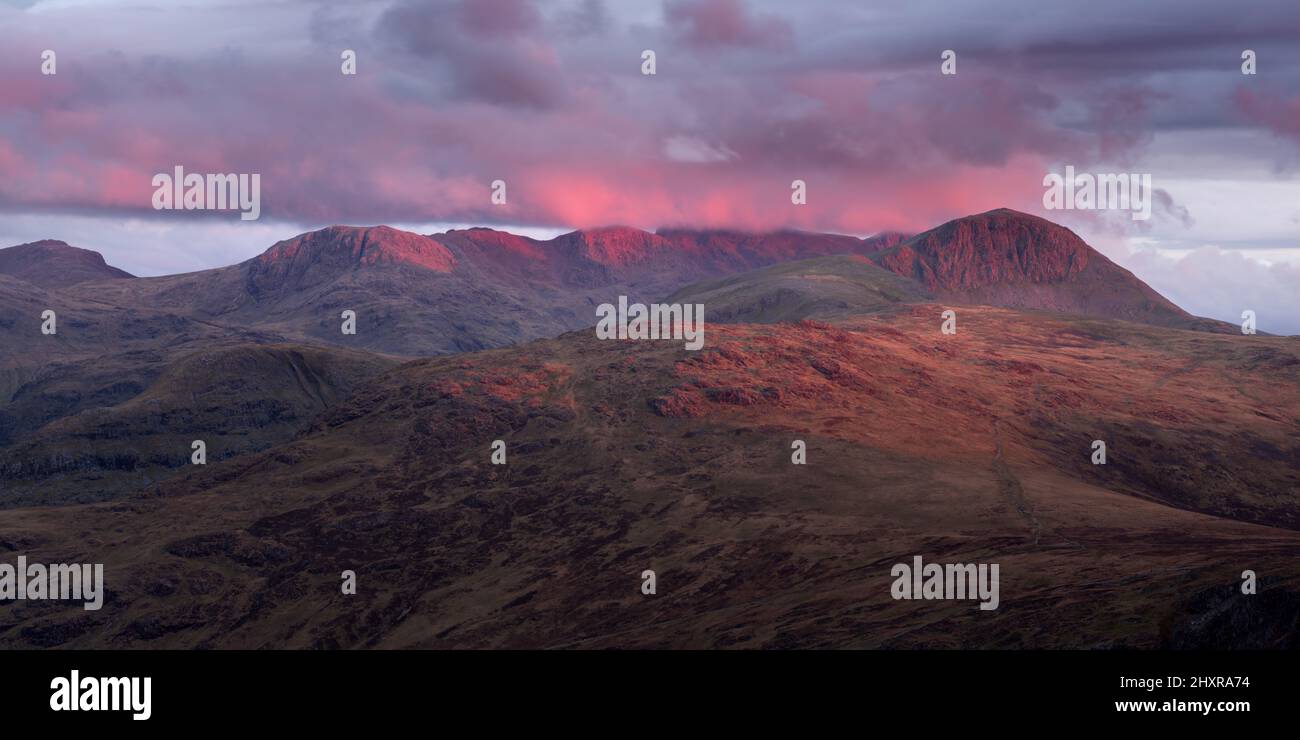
(1010, 484)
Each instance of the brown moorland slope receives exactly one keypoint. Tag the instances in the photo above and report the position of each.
(626, 456)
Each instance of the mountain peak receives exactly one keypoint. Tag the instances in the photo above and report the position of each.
(997, 247)
(1007, 258)
(341, 253)
(51, 263)
(613, 246)
(356, 246)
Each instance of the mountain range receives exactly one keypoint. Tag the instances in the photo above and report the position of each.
(370, 452)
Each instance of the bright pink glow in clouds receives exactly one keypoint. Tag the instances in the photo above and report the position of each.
(358, 156)
(451, 96)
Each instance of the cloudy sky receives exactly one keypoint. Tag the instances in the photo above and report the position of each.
(450, 95)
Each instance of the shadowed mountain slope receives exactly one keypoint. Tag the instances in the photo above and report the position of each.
(235, 397)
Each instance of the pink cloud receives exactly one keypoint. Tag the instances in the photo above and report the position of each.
(452, 95)
(499, 17)
(721, 23)
(1279, 114)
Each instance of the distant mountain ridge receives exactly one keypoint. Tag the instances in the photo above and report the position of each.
(460, 290)
(50, 263)
(479, 288)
